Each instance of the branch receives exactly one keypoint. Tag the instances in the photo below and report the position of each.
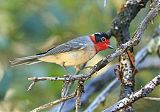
(149, 62)
(152, 98)
(54, 103)
(36, 79)
(151, 47)
(102, 97)
(148, 88)
(68, 78)
(93, 86)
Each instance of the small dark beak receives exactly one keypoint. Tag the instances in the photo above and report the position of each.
(109, 46)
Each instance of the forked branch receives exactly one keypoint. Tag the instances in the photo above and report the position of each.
(144, 91)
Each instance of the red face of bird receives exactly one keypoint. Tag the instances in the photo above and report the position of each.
(101, 41)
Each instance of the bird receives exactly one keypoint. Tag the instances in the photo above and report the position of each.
(72, 53)
(75, 52)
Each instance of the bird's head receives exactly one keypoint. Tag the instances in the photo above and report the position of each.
(101, 41)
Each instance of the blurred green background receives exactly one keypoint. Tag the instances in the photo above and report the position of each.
(28, 27)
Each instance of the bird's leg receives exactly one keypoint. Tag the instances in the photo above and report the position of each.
(64, 67)
(78, 69)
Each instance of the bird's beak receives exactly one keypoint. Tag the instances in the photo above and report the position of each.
(111, 47)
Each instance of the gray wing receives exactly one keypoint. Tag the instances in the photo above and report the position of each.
(75, 44)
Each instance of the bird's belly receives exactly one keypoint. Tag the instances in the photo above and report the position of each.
(71, 58)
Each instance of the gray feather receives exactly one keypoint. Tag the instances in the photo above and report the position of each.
(75, 44)
(25, 60)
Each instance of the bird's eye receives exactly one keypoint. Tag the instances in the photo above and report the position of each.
(103, 39)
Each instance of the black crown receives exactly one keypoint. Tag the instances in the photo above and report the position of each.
(99, 35)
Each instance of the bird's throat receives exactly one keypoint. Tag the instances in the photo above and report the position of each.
(98, 46)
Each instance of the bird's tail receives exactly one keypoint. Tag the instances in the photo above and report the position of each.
(25, 60)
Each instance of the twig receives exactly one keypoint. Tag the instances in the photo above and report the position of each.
(36, 79)
(141, 55)
(54, 102)
(102, 97)
(64, 92)
(31, 85)
(149, 62)
(66, 78)
(152, 98)
(148, 88)
(151, 47)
